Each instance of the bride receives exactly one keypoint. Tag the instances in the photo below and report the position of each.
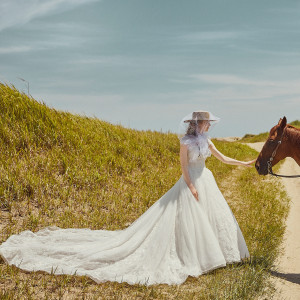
(190, 230)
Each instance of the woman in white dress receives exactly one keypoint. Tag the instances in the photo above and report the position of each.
(189, 231)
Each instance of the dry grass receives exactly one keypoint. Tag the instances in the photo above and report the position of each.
(67, 170)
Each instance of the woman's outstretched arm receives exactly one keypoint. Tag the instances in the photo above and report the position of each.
(228, 160)
(184, 168)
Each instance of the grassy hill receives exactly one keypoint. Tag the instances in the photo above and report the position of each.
(262, 137)
(74, 171)
(50, 155)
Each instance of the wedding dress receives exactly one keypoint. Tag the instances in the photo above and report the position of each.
(176, 237)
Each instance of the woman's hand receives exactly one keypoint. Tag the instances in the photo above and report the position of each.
(248, 163)
(194, 192)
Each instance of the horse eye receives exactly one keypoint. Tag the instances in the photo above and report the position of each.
(271, 140)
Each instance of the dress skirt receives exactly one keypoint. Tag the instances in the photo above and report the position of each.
(175, 238)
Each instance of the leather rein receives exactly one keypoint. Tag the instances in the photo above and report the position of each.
(269, 162)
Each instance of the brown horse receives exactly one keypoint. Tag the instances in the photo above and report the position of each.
(283, 141)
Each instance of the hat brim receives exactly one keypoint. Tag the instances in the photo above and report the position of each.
(186, 121)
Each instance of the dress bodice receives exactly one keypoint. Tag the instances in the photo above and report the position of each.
(198, 148)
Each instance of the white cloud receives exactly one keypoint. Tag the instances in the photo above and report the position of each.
(49, 36)
(227, 86)
(291, 9)
(108, 59)
(9, 50)
(268, 52)
(18, 12)
(208, 36)
(230, 79)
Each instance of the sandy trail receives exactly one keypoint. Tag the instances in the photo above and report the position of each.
(287, 279)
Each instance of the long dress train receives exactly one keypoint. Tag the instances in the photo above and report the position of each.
(176, 237)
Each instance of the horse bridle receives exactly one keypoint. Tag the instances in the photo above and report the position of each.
(269, 162)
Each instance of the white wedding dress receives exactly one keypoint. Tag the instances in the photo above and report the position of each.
(176, 237)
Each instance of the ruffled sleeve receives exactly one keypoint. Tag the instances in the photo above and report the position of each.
(197, 146)
(188, 140)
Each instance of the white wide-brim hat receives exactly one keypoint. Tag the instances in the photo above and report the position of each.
(201, 115)
(193, 117)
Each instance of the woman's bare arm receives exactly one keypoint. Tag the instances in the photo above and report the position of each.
(228, 160)
(184, 168)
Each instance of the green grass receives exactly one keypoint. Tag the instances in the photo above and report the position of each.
(68, 170)
(262, 137)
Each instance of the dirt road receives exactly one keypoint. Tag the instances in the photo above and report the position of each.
(287, 279)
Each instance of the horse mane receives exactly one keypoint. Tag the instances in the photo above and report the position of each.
(294, 133)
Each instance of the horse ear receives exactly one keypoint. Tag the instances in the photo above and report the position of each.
(279, 121)
(283, 122)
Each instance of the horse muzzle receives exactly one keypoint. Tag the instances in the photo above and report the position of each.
(262, 169)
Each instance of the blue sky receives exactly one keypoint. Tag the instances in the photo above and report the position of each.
(146, 64)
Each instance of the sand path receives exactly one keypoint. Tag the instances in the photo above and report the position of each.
(287, 279)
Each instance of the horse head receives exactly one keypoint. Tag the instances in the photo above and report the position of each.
(273, 143)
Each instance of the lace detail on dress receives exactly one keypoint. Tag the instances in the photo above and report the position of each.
(198, 146)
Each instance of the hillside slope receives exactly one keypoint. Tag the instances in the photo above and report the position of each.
(79, 160)
(66, 170)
